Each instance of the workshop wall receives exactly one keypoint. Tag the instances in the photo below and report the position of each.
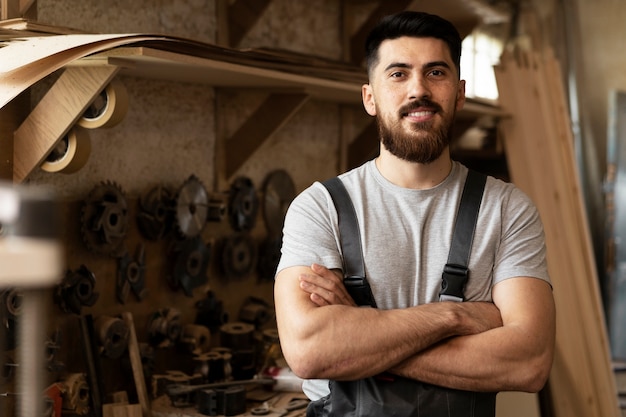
(171, 132)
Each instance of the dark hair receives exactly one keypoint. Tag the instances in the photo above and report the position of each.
(413, 24)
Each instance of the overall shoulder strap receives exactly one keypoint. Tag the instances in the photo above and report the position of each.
(349, 235)
(456, 272)
(350, 239)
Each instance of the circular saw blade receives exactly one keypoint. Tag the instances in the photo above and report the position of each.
(279, 191)
(192, 207)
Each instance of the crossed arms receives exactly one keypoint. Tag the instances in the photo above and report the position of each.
(477, 346)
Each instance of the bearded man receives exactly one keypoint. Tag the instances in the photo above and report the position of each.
(406, 199)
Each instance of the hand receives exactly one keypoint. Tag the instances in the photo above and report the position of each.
(325, 287)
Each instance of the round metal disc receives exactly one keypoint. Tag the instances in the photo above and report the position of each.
(279, 191)
(239, 255)
(192, 207)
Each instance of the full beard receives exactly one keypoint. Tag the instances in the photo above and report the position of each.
(423, 144)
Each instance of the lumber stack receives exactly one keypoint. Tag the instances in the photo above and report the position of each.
(540, 155)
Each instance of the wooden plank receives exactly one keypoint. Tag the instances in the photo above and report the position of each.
(153, 63)
(535, 166)
(271, 115)
(531, 147)
(597, 340)
(136, 364)
(26, 62)
(563, 175)
(540, 154)
(55, 114)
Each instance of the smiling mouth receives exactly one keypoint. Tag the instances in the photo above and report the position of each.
(421, 113)
(420, 109)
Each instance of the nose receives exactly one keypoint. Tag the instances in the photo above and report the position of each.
(418, 88)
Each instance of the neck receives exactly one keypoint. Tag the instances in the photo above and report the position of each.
(412, 174)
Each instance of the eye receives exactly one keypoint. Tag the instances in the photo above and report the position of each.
(396, 74)
(437, 73)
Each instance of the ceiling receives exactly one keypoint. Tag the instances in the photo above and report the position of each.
(467, 14)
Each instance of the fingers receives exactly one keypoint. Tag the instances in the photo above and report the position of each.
(325, 287)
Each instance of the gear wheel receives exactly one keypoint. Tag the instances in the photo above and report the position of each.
(239, 255)
(190, 265)
(243, 204)
(192, 207)
(156, 213)
(104, 219)
(76, 290)
(131, 275)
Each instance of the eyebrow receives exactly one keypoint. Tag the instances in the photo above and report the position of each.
(425, 66)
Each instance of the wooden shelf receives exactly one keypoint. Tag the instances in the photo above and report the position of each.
(166, 65)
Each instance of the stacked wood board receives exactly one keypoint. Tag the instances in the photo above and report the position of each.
(26, 56)
(540, 154)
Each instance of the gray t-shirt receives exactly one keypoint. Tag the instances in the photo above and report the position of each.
(406, 237)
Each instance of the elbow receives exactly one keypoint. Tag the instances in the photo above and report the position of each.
(535, 374)
(536, 383)
(302, 362)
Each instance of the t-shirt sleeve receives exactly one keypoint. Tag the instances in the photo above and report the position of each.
(309, 231)
(522, 250)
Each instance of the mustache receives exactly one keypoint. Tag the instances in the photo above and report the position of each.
(424, 102)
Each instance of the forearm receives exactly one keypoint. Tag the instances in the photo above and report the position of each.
(488, 362)
(515, 357)
(345, 342)
(341, 342)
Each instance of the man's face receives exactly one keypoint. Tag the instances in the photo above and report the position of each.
(414, 92)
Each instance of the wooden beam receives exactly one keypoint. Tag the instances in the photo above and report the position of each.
(273, 113)
(242, 15)
(364, 147)
(56, 113)
(11, 116)
(28, 9)
(222, 37)
(357, 41)
(10, 9)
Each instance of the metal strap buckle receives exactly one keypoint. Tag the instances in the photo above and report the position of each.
(453, 282)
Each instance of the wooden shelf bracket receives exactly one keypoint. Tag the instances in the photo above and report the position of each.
(273, 113)
(55, 114)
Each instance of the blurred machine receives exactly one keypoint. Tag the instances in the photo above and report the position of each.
(31, 261)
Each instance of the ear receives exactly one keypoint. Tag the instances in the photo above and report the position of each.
(460, 95)
(368, 99)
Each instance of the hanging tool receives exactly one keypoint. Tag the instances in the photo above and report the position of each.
(175, 390)
(267, 410)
